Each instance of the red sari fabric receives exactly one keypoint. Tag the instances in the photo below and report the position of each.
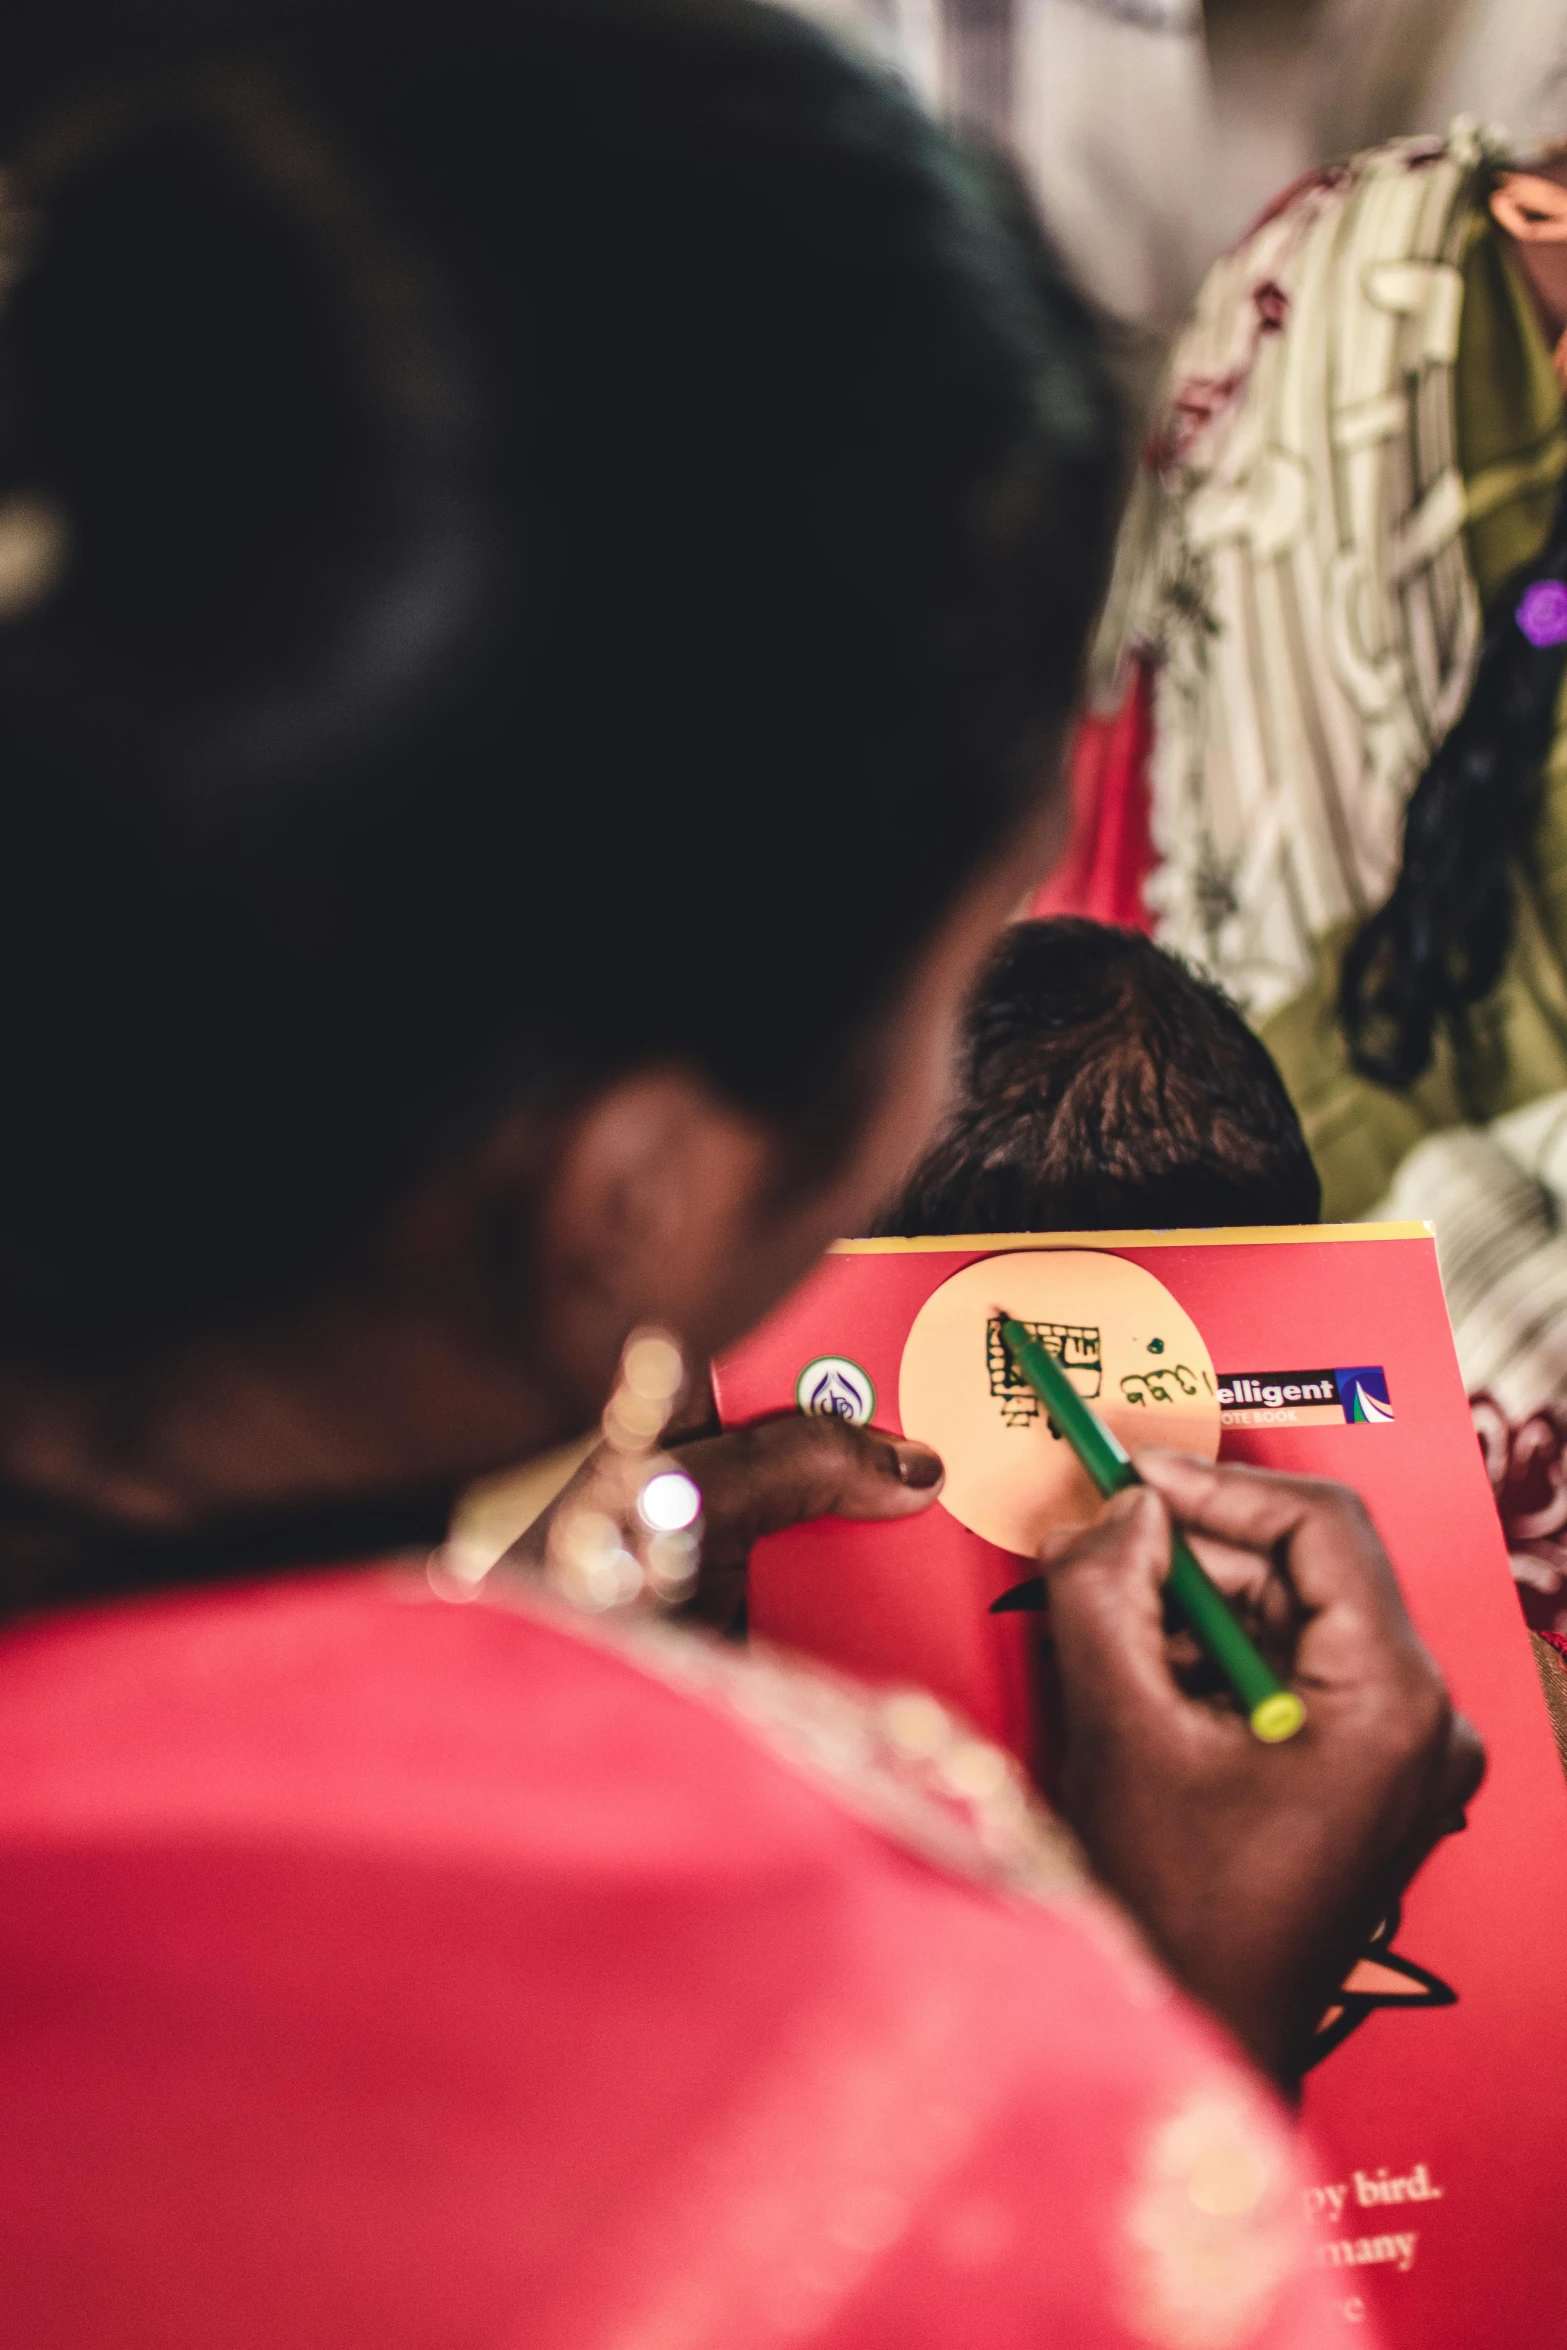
(1109, 852)
(375, 1971)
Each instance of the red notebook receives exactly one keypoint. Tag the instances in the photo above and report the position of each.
(1437, 2107)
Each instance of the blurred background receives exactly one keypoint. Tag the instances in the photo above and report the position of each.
(1243, 96)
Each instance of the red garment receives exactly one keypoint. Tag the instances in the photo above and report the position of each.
(1110, 853)
(377, 1972)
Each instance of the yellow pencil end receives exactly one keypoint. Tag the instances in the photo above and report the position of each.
(1277, 1717)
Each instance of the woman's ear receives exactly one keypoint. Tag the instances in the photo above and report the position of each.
(662, 1201)
(660, 1206)
(656, 1199)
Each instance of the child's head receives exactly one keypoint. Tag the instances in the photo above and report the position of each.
(1105, 1087)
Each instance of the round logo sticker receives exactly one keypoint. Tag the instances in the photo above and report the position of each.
(833, 1388)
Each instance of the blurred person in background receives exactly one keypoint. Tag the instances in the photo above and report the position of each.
(450, 452)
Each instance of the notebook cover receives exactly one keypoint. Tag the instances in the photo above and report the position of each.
(1435, 2106)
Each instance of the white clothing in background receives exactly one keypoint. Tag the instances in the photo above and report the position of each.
(1113, 121)
(905, 34)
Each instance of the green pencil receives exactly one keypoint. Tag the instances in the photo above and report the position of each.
(1274, 1712)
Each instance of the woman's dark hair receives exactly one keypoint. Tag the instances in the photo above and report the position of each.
(1438, 946)
(1105, 1087)
(551, 537)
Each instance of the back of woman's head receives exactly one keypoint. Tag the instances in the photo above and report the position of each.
(532, 539)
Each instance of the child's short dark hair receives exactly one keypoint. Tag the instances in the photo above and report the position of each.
(1105, 1086)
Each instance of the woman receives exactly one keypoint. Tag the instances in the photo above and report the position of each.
(454, 454)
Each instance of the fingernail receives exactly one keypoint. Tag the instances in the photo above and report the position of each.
(918, 1466)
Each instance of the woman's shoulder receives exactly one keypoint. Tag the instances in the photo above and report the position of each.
(638, 1991)
(363, 1704)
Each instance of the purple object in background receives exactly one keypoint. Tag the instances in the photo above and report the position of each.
(1542, 612)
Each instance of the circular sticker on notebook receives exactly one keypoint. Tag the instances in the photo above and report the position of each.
(833, 1388)
(1126, 1345)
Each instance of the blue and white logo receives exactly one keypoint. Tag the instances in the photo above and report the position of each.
(833, 1388)
(1362, 1390)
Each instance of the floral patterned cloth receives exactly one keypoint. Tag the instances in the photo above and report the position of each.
(1294, 563)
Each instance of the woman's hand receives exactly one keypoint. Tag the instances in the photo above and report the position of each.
(776, 1473)
(1255, 1870)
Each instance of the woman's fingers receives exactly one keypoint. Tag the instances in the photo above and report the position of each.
(1106, 1605)
(782, 1472)
(1320, 1542)
(1331, 1543)
(1352, 1644)
(779, 1473)
(769, 1476)
(1463, 1768)
(759, 1480)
